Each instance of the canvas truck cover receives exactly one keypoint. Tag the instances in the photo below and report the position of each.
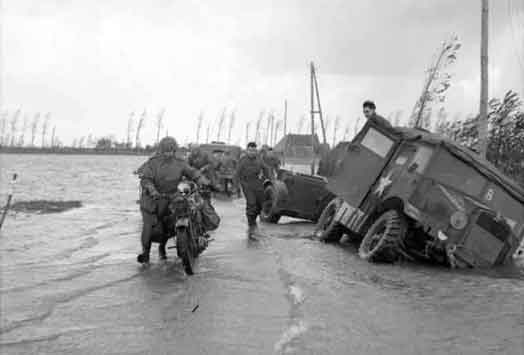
(468, 156)
(212, 147)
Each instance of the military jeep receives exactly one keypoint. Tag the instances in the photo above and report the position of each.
(226, 157)
(295, 195)
(409, 194)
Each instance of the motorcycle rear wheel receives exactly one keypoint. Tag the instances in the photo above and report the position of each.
(185, 250)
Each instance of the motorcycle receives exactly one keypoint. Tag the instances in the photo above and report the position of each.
(185, 222)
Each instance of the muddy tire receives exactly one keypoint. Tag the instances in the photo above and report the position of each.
(268, 213)
(185, 250)
(327, 229)
(383, 239)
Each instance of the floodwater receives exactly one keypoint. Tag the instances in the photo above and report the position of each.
(70, 283)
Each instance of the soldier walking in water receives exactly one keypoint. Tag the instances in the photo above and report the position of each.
(251, 172)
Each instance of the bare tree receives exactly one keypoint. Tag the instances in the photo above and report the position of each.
(232, 120)
(53, 137)
(267, 136)
(45, 127)
(258, 134)
(278, 126)
(91, 141)
(221, 124)
(436, 84)
(396, 120)
(327, 123)
(3, 127)
(81, 142)
(441, 119)
(248, 125)
(130, 123)
(139, 127)
(34, 128)
(357, 126)
(300, 124)
(159, 124)
(21, 138)
(335, 130)
(346, 134)
(14, 126)
(208, 131)
(200, 119)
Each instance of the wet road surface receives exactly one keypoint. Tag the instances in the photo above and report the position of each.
(70, 284)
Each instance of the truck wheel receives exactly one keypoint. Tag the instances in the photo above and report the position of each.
(327, 229)
(268, 213)
(382, 240)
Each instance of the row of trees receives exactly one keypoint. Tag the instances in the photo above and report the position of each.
(505, 134)
(21, 129)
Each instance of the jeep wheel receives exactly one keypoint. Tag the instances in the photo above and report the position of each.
(268, 213)
(327, 229)
(382, 240)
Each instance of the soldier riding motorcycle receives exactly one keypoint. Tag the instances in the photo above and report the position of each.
(160, 177)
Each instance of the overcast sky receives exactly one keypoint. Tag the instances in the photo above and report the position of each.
(92, 63)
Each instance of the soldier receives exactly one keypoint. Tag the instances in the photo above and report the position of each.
(205, 163)
(251, 172)
(198, 159)
(271, 160)
(369, 109)
(159, 176)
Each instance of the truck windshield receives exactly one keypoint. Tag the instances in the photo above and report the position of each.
(458, 175)
(377, 142)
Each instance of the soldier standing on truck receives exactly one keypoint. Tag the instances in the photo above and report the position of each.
(251, 172)
(369, 109)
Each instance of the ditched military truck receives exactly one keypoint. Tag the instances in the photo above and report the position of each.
(409, 194)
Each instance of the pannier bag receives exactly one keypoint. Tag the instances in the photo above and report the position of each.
(210, 218)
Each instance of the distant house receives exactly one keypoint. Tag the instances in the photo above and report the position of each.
(297, 146)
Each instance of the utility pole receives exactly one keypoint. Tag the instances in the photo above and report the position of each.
(312, 123)
(483, 112)
(313, 111)
(314, 88)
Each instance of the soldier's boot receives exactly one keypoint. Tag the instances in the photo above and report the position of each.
(252, 228)
(162, 251)
(146, 244)
(143, 258)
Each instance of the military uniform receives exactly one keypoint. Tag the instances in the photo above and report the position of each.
(159, 175)
(198, 159)
(250, 173)
(272, 162)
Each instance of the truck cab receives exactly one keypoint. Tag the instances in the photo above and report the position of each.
(408, 193)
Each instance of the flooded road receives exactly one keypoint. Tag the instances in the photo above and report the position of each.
(70, 283)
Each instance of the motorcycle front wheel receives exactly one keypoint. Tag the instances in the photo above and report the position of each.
(185, 250)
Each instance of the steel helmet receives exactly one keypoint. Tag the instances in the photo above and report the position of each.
(167, 144)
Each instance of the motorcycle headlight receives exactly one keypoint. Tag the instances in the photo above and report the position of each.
(459, 220)
(184, 188)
